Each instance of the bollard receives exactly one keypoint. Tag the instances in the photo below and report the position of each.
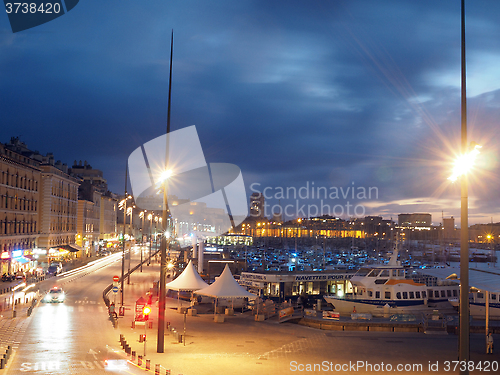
(167, 372)
(139, 360)
(133, 355)
(121, 338)
(148, 364)
(141, 338)
(133, 323)
(157, 369)
(150, 324)
(128, 350)
(2, 363)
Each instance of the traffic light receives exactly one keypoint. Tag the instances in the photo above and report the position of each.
(145, 311)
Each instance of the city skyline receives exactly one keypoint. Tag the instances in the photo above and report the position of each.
(339, 94)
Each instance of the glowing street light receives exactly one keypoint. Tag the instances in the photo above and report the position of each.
(464, 163)
(164, 176)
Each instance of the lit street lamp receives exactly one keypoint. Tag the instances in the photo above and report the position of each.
(163, 244)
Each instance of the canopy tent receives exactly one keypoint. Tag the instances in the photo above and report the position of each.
(225, 286)
(188, 280)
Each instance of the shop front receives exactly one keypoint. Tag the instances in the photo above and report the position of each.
(291, 285)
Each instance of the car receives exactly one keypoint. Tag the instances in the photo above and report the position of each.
(54, 269)
(55, 295)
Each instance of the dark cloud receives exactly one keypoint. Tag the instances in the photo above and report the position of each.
(329, 92)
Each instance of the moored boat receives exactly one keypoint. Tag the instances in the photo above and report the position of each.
(389, 289)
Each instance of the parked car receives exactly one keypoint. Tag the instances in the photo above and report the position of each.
(54, 269)
(8, 277)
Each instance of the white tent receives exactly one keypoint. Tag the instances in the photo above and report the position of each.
(225, 287)
(188, 280)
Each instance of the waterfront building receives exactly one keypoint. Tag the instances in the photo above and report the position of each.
(108, 217)
(19, 205)
(417, 221)
(88, 220)
(57, 204)
(89, 175)
(257, 205)
(58, 208)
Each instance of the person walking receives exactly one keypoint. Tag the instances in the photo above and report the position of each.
(112, 310)
(489, 343)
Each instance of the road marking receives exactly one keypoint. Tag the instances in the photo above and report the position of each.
(40, 366)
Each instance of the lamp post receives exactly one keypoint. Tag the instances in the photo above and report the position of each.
(141, 215)
(150, 217)
(464, 330)
(131, 229)
(124, 203)
(163, 245)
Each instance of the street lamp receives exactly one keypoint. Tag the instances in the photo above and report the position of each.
(150, 218)
(131, 229)
(123, 205)
(141, 215)
(464, 164)
(163, 245)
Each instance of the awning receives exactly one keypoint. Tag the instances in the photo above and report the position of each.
(72, 248)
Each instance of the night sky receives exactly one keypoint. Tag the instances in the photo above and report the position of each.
(332, 93)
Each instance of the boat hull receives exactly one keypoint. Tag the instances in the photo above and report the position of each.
(349, 306)
(478, 310)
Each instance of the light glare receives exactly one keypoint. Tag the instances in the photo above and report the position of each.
(464, 163)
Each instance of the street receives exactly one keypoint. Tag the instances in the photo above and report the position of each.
(71, 337)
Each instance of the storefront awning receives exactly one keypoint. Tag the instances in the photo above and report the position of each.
(72, 248)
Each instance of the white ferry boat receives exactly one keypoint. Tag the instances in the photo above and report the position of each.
(477, 304)
(388, 289)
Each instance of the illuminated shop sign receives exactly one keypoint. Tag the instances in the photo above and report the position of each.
(5, 255)
(17, 253)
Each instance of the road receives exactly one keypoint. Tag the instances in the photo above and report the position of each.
(71, 337)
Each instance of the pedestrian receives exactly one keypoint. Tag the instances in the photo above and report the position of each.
(489, 343)
(112, 310)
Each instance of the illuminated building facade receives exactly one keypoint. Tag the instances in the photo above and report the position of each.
(417, 221)
(19, 204)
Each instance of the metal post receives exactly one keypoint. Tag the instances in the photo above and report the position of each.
(487, 324)
(184, 335)
(130, 249)
(464, 237)
(163, 243)
(150, 238)
(124, 221)
(145, 337)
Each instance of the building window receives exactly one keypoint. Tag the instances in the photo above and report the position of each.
(387, 295)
